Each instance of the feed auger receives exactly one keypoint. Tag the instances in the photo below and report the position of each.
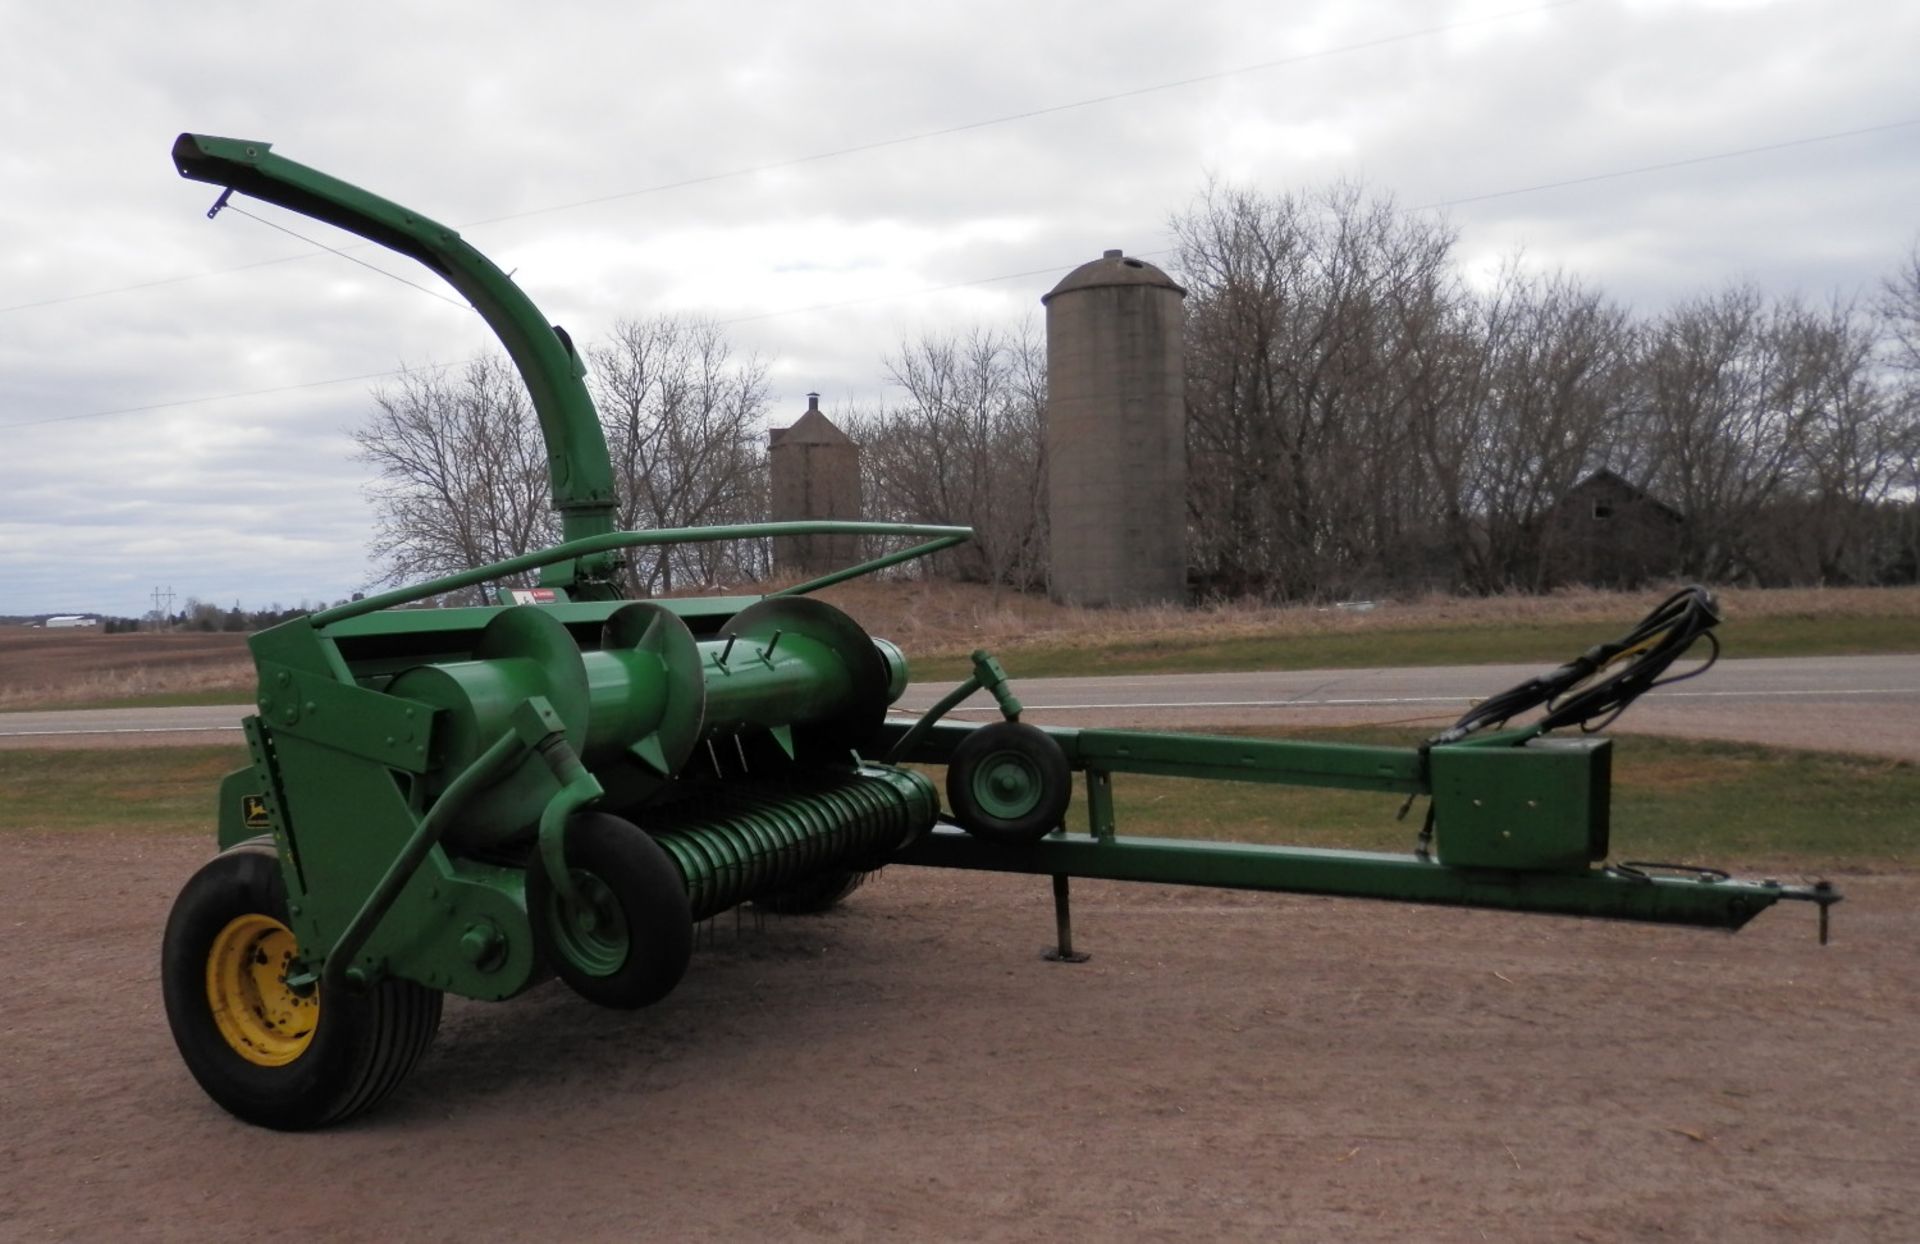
(472, 799)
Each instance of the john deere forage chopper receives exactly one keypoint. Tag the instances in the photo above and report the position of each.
(467, 800)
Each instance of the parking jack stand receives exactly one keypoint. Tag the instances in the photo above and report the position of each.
(1063, 920)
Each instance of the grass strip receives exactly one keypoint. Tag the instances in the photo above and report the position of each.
(235, 693)
(1546, 642)
(166, 790)
(1689, 800)
(1674, 799)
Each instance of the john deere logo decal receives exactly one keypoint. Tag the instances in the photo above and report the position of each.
(253, 812)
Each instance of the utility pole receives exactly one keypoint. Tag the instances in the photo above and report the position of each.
(164, 610)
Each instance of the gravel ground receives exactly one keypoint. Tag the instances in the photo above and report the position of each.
(1227, 1066)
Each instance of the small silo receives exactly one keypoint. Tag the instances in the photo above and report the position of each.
(815, 473)
(1116, 435)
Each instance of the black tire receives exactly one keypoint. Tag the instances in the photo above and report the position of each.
(1009, 783)
(362, 1045)
(636, 947)
(815, 894)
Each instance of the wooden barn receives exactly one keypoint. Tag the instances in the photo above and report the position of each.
(1605, 532)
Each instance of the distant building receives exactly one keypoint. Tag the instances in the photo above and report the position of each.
(815, 474)
(1605, 532)
(62, 621)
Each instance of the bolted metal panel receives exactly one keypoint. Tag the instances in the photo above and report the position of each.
(814, 471)
(1541, 806)
(1116, 434)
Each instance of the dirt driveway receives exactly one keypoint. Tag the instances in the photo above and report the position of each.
(1227, 1066)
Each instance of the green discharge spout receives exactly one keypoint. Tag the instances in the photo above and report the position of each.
(577, 460)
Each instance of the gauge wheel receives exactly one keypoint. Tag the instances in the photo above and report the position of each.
(267, 1052)
(1009, 783)
(625, 943)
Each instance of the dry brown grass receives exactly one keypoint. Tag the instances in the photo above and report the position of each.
(934, 620)
(66, 668)
(948, 618)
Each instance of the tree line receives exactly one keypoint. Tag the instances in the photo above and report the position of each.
(1364, 416)
(1361, 414)
(461, 468)
(205, 616)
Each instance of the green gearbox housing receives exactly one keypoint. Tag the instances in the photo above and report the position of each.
(1541, 806)
(468, 800)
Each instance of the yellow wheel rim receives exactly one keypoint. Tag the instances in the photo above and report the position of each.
(265, 1022)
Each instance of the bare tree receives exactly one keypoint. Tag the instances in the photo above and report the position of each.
(1558, 358)
(462, 471)
(1304, 318)
(683, 420)
(1752, 407)
(1899, 315)
(1358, 419)
(1449, 379)
(1899, 312)
(463, 467)
(966, 447)
(1855, 450)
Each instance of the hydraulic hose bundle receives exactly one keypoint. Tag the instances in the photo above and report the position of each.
(1597, 686)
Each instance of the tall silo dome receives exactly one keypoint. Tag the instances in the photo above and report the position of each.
(1116, 434)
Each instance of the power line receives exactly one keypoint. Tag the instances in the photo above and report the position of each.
(1031, 113)
(334, 250)
(165, 280)
(1476, 198)
(857, 148)
(402, 371)
(988, 280)
(910, 293)
(223, 397)
(1690, 160)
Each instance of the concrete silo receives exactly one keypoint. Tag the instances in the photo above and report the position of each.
(815, 473)
(1116, 434)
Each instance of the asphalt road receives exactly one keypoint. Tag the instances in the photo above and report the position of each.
(1861, 704)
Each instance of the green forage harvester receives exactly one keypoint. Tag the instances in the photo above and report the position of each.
(470, 800)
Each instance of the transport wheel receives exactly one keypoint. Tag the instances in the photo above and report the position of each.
(267, 1053)
(815, 894)
(1009, 783)
(628, 942)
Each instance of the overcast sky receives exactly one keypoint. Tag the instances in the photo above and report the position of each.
(481, 111)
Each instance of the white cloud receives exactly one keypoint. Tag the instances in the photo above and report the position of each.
(492, 113)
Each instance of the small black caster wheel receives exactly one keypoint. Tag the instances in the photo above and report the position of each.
(626, 943)
(1009, 783)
